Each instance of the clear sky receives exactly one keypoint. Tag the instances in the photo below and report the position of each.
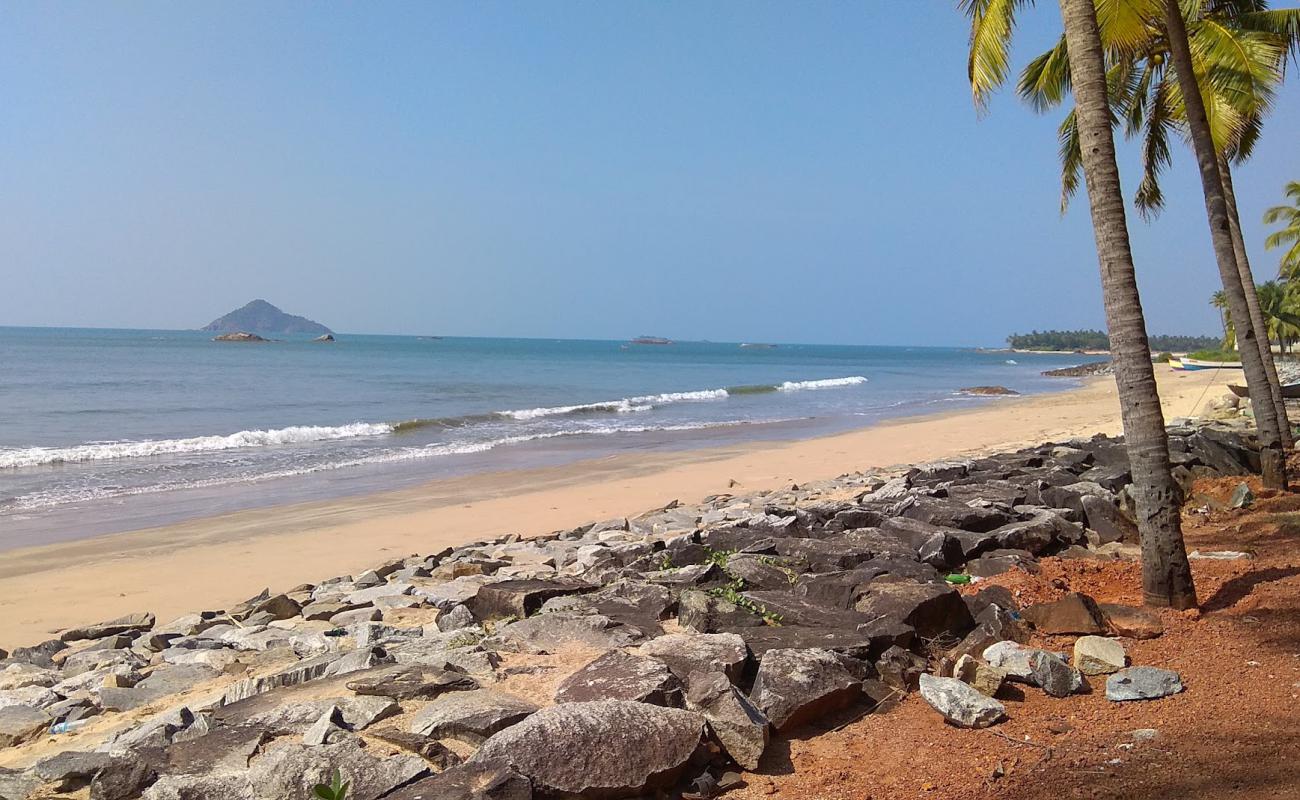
(741, 170)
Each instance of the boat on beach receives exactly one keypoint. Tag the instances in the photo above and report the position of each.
(1195, 364)
(1290, 391)
(1176, 363)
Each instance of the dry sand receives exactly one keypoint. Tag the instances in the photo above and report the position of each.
(218, 561)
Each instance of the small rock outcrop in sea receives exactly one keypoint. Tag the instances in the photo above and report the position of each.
(616, 659)
(988, 391)
(1082, 370)
(261, 317)
(239, 336)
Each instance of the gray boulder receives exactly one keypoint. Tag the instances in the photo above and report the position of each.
(618, 675)
(131, 623)
(288, 770)
(1142, 683)
(740, 727)
(931, 608)
(607, 749)
(794, 687)
(960, 704)
(685, 653)
(19, 724)
(1057, 678)
(409, 681)
(546, 633)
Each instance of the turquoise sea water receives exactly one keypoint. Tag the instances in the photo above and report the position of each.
(104, 430)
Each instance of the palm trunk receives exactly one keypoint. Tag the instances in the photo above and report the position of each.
(1252, 301)
(1271, 454)
(1166, 574)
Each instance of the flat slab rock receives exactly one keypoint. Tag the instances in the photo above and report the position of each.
(1142, 683)
(618, 675)
(470, 716)
(608, 749)
(1073, 614)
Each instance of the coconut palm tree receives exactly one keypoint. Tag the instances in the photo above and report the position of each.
(1240, 48)
(1272, 454)
(1166, 574)
(1220, 302)
(1289, 236)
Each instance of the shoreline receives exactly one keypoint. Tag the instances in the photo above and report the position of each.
(217, 561)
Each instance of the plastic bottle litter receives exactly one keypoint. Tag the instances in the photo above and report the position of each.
(957, 578)
(68, 727)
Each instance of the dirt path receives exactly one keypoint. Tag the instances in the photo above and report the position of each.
(1233, 734)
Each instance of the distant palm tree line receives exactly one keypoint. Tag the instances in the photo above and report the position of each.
(1114, 61)
(1279, 299)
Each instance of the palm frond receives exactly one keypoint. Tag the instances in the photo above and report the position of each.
(1156, 156)
(1045, 81)
(1071, 150)
(993, 23)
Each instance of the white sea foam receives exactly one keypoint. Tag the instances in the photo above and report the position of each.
(64, 496)
(102, 451)
(829, 383)
(626, 405)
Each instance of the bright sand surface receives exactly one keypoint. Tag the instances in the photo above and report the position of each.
(218, 561)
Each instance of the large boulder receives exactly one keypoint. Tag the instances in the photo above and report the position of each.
(606, 749)
(795, 687)
(703, 613)
(960, 704)
(289, 771)
(410, 681)
(1107, 522)
(932, 609)
(685, 653)
(18, 724)
(618, 675)
(740, 727)
(470, 716)
(468, 782)
(519, 598)
(131, 623)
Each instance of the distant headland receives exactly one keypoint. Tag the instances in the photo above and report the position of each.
(260, 317)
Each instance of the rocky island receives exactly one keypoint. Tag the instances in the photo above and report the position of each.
(262, 318)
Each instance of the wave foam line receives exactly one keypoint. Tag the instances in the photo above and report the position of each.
(51, 498)
(102, 451)
(829, 383)
(627, 405)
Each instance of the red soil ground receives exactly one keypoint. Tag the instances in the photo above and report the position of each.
(1233, 734)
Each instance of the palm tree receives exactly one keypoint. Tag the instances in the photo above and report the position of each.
(1272, 454)
(1166, 574)
(1240, 48)
(1220, 301)
(1289, 236)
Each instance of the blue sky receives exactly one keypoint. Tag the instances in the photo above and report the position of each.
(730, 170)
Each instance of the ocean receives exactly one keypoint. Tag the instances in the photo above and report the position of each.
(112, 430)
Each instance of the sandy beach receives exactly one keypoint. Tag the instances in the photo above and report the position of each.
(218, 561)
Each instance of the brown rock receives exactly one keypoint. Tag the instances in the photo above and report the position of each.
(1130, 621)
(1073, 614)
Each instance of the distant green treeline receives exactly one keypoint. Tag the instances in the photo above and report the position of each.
(1098, 340)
